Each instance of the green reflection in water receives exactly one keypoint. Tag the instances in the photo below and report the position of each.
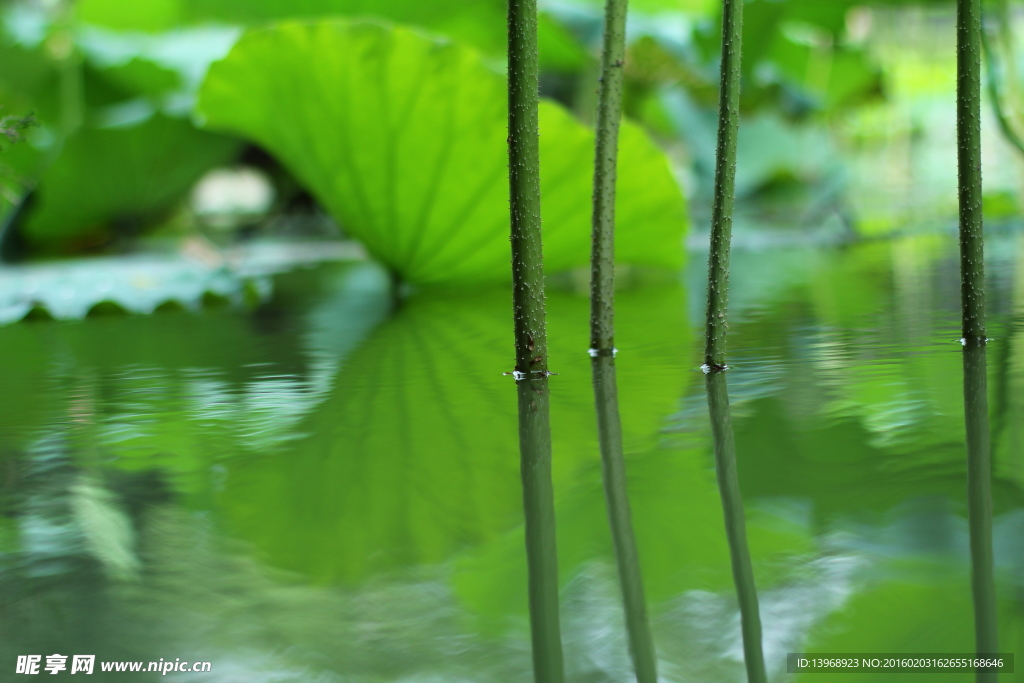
(277, 532)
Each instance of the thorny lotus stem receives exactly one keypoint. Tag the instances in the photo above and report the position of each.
(531, 340)
(725, 183)
(968, 134)
(972, 293)
(602, 343)
(714, 348)
(609, 113)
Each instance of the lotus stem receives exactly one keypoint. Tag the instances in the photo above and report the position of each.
(602, 345)
(609, 113)
(715, 337)
(972, 299)
(725, 184)
(968, 134)
(531, 340)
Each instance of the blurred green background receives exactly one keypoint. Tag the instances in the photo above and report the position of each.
(848, 120)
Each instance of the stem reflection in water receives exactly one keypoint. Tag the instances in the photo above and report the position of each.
(979, 503)
(735, 525)
(638, 628)
(539, 513)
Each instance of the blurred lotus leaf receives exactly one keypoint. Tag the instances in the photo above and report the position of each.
(480, 23)
(165, 67)
(28, 80)
(152, 15)
(403, 139)
(143, 77)
(138, 284)
(795, 57)
(125, 178)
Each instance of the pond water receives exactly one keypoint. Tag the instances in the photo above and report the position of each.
(326, 487)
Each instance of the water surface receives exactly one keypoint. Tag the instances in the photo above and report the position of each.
(326, 487)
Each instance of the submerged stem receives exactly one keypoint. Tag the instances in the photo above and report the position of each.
(531, 340)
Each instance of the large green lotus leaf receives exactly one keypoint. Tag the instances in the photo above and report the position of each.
(128, 175)
(152, 15)
(480, 23)
(403, 139)
(414, 456)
